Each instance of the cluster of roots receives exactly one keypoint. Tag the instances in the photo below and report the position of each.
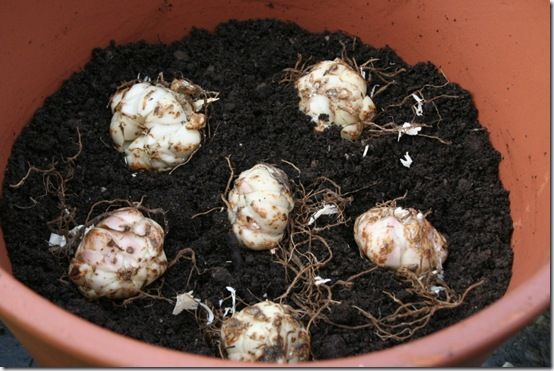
(432, 295)
(305, 252)
(384, 75)
(56, 178)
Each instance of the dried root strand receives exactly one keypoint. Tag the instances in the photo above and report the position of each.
(231, 176)
(369, 65)
(188, 254)
(420, 91)
(223, 196)
(292, 165)
(195, 92)
(290, 75)
(74, 158)
(30, 171)
(185, 162)
(218, 208)
(56, 183)
(375, 130)
(424, 100)
(393, 202)
(344, 54)
(154, 294)
(384, 75)
(225, 193)
(119, 203)
(349, 282)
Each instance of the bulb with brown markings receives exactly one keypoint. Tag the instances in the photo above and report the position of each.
(265, 332)
(259, 205)
(157, 126)
(400, 238)
(333, 92)
(119, 256)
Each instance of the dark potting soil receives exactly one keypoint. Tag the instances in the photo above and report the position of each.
(257, 119)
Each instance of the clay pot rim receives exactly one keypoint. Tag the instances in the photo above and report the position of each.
(36, 315)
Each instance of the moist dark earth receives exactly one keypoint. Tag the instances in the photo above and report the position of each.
(257, 120)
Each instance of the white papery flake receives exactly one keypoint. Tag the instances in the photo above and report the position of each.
(372, 93)
(408, 129)
(407, 160)
(327, 209)
(436, 289)
(232, 308)
(418, 107)
(211, 316)
(233, 298)
(439, 273)
(185, 302)
(365, 150)
(56, 240)
(319, 281)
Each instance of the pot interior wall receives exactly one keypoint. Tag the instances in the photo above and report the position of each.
(504, 63)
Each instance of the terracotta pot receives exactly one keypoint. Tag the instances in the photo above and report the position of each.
(498, 50)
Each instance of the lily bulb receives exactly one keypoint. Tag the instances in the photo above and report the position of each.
(119, 256)
(333, 92)
(259, 205)
(399, 238)
(157, 126)
(265, 332)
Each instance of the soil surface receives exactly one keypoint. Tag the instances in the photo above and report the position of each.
(257, 120)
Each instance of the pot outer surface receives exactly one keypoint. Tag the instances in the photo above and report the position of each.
(516, 271)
